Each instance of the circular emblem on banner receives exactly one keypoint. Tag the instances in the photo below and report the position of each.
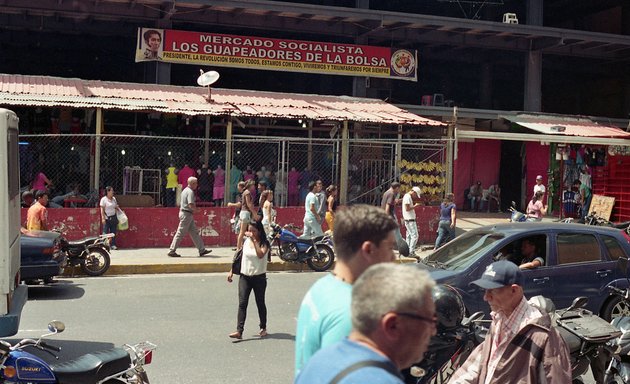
(403, 63)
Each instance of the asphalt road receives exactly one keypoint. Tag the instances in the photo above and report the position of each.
(187, 315)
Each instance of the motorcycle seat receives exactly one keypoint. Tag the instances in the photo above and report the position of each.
(82, 241)
(313, 239)
(92, 367)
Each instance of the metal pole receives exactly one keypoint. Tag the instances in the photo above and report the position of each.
(309, 150)
(398, 154)
(97, 149)
(206, 144)
(450, 151)
(283, 175)
(345, 157)
(228, 160)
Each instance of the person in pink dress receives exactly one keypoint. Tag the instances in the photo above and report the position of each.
(218, 191)
(41, 182)
(294, 187)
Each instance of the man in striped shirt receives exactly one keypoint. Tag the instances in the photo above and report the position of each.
(521, 346)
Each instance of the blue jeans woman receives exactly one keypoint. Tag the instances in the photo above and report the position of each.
(446, 227)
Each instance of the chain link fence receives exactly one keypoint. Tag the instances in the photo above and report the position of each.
(136, 165)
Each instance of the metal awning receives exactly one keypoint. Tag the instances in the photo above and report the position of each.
(46, 91)
(549, 124)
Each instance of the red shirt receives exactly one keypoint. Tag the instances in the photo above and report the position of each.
(184, 174)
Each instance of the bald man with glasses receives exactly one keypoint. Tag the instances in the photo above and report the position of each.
(393, 319)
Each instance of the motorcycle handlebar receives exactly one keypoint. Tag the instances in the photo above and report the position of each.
(48, 346)
(619, 292)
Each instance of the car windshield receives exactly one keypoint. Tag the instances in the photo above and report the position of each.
(462, 251)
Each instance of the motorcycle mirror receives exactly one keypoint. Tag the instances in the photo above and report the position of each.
(579, 302)
(472, 319)
(56, 326)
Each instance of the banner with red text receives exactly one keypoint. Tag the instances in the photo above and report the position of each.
(213, 49)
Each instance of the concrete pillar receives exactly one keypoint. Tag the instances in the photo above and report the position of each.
(533, 82)
(345, 159)
(534, 9)
(485, 86)
(97, 150)
(359, 84)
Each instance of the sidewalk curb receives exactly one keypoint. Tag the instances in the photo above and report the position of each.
(151, 269)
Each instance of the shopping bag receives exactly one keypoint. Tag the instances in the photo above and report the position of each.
(123, 222)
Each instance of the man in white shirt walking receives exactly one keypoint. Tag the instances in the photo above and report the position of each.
(409, 216)
(187, 221)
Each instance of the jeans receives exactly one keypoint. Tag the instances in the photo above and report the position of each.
(246, 284)
(586, 206)
(111, 226)
(445, 233)
(473, 206)
(412, 235)
(312, 228)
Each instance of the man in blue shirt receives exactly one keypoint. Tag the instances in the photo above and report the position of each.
(364, 235)
(393, 319)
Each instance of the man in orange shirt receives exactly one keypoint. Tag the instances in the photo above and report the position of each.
(37, 217)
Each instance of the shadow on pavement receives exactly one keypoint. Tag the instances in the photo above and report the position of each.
(59, 290)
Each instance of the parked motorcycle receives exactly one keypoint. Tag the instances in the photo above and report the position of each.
(618, 369)
(317, 252)
(517, 216)
(448, 351)
(92, 253)
(455, 339)
(115, 365)
(594, 219)
(585, 334)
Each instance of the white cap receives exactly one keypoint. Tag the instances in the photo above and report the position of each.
(539, 177)
(416, 190)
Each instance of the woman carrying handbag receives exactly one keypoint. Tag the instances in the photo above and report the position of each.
(253, 276)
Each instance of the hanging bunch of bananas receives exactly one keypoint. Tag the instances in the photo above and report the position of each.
(427, 175)
(422, 166)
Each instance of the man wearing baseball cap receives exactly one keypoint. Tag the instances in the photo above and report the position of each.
(521, 346)
(409, 217)
(539, 185)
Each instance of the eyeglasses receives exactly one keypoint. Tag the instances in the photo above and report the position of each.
(433, 320)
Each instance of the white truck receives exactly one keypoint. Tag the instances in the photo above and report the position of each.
(12, 294)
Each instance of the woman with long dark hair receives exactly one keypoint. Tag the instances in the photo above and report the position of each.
(536, 208)
(253, 277)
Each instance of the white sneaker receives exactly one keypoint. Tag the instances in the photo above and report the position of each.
(113, 247)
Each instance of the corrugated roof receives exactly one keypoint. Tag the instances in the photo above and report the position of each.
(565, 125)
(56, 91)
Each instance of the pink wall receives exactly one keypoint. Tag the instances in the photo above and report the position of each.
(155, 227)
(476, 161)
